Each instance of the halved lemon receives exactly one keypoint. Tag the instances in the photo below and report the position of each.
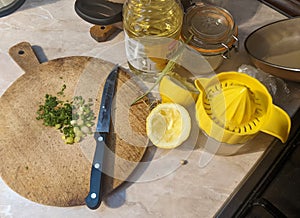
(168, 125)
(176, 89)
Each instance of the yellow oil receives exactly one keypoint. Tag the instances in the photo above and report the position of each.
(151, 26)
(152, 17)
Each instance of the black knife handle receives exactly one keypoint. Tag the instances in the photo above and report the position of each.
(94, 198)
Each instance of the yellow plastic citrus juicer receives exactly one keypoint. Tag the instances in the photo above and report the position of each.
(233, 107)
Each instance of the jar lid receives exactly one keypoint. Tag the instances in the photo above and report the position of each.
(211, 28)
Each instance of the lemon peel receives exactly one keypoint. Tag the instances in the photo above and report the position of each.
(176, 89)
(168, 125)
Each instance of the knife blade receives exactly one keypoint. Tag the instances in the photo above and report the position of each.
(94, 198)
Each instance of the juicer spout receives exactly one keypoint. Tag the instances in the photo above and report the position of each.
(278, 124)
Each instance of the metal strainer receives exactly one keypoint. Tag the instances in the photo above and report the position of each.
(233, 107)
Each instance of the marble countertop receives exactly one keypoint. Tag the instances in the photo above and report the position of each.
(196, 189)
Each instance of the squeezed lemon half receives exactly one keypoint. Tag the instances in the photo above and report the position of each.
(168, 125)
(176, 89)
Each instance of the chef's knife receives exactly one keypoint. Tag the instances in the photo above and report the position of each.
(93, 200)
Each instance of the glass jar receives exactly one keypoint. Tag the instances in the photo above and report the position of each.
(151, 29)
(210, 30)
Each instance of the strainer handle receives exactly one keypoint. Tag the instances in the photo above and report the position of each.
(278, 125)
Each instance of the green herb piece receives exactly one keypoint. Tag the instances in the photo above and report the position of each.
(61, 92)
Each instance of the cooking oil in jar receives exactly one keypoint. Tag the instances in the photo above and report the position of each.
(152, 28)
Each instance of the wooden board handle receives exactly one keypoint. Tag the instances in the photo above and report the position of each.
(24, 56)
(102, 33)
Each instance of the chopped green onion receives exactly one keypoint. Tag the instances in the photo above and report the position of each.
(73, 119)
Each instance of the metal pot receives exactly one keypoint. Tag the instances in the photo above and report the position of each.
(275, 48)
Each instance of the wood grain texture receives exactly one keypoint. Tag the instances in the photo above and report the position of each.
(102, 33)
(35, 162)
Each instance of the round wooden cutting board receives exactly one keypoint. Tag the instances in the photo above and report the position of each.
(35, 162)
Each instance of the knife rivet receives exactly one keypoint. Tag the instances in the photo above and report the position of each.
(100, 138)
(97, 165)
(93, 195)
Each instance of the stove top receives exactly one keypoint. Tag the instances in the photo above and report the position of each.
(271, 188)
